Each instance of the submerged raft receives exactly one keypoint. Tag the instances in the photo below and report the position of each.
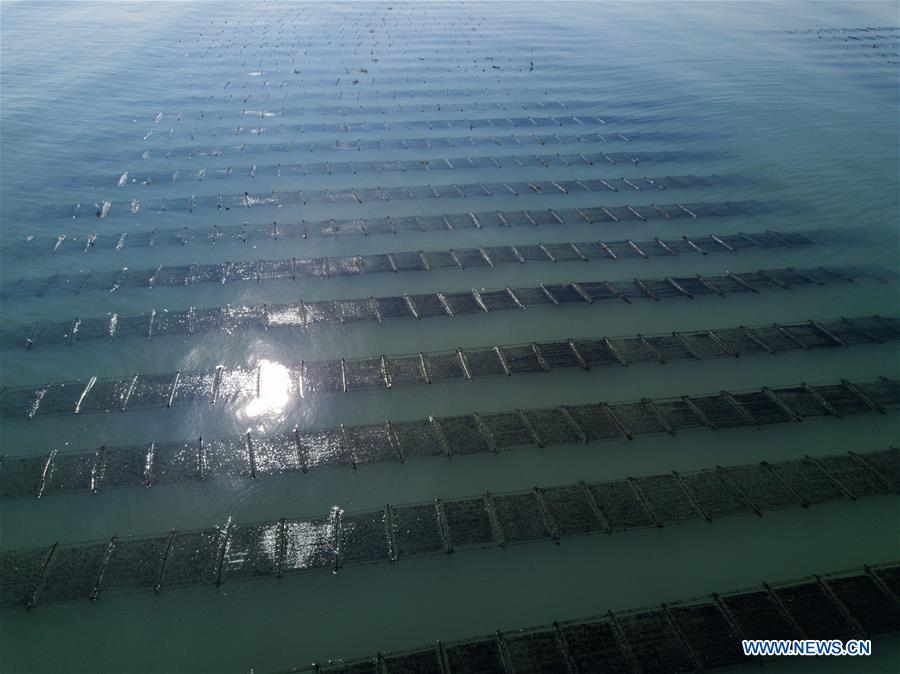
(289, 546)
(368, 195)
(252, 456)
(222, 385)
(303, 315)
(290, 269)
(247, 232)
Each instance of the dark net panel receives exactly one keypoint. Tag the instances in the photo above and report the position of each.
(656, 646)
(417, 662)
(416, 530)
(324, 448)
(227, 457)
(801, 403)
(876, 612)
(677, 414)
(709, 635)
(418, 439)
(669, 348)
(364, 538)
(468, 522)
(174, 463)
(842, 399)
(252, 551)
(775, 338)
(891, 577)
(761, 408)
(758, 616)
(428, 305)
(667, 498)
(363, 667)
(19, 573)
(633, 351)
(123, 467)
(854, 476)
(621, 507)
(810, 335)
(522, 359)
(815, 613)
(595, 421)
(463, 435)
(882, 392)
(323, 377)
(60, 399)
(551, 426)
(596, 353)
(475, 657)
(507, 430)
(715, 494)
(17, 402)
(531, 295)
(484, 363)
(719, 411)
(107, 395)
(21, 476)
(887, 464)
(498, 299)
(445, 367)
(308, 544)
(406, 371)
(276, 454)
(194, 387)
(393, 307)
(761, 488)
(135, 563)
(520, 517)
(535, 652)
(73, 572)
(738, 342)
(571, 511)
(463, 303)
(371, 444)
(151, 391)
(810, 484)
(193, 558)
(364, 373)
(558, 355)
(595, 649)
(637, 419)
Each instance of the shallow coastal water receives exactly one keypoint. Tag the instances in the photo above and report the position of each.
(725, 96)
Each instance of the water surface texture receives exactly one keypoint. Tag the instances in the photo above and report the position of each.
(276, 277)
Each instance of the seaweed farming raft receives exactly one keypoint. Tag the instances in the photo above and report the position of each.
(252, 456)
(369, 195)
(407, 261)
(701, 633)
(288, 546)
(247, 232)
(222, 385)
(457, 304)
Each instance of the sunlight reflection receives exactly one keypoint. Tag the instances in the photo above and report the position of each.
(274, 390)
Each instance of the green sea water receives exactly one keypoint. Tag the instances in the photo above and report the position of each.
(809, 123)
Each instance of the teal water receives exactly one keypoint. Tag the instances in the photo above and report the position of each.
(810, 123)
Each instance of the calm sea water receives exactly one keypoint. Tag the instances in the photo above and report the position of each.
(810, 123)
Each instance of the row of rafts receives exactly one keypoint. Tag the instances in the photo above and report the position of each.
(469, 220)
(286, 546)
(251, 456)
(303, 315)
(374, 195)
(407, 261)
